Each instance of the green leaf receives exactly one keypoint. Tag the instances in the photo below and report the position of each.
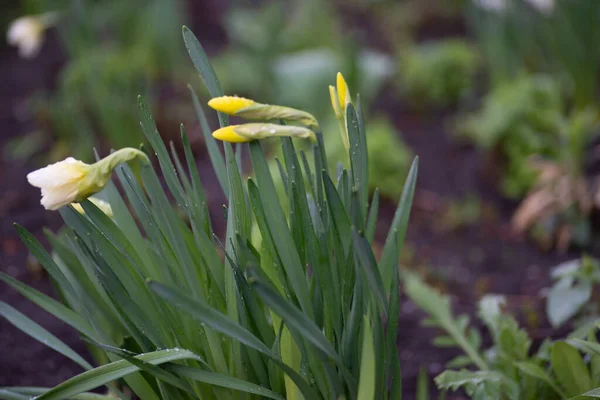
(366, 384)
(399, 225)
(50, 305)
(372, 218)
(40, 334)
(213, 147)
(102, 375)
(364, 253)
(223, 324)
(222, 380)
(279, 229)
(595, 393)
(532, 369)
(358, 158)
(438, 307)
(570, 369)
(26, 393)
(299, 322)
(423, 384)
(204, 68)
(565, 300)
(477, 382)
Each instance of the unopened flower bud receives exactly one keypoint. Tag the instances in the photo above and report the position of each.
(71, 180)
(255, 131)
(246, 108)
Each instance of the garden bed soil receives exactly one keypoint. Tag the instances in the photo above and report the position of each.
(483, 257)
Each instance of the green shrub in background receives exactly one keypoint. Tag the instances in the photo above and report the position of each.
(115, 50)
(517, 120)
(301, 316)
(439, 73)
(511, 368)
(552, 37)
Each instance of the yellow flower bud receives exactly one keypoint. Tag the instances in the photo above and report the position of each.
(250, 109)
(342, 91)
(71, 180)
(335, 104)
(255, 131)
(230, 104)
(227, 134)
(101, 204)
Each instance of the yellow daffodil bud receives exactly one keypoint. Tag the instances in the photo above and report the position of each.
(340, 98)
(230, 104)
(27, 33)
(101, 204)
(227, 134)
(246, 108)
(342, 91)
(71, 180)
(335, 104)
(247, 132)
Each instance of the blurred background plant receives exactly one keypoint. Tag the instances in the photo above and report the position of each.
(115, 51)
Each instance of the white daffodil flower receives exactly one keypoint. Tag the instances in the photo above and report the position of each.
(60, 182)
(104, 206)
(27, 33)
(72, 181)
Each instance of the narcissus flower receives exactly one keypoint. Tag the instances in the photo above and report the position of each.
(71, 180)
(340, 98)
(248, 132)
(246, 108)
(101, 204)
(27, 33)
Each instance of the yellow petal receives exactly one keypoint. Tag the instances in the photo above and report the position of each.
(334, 101)
(230, 104)
(342, 90)
(227, 134)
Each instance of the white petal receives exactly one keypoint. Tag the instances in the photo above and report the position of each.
(55, 198)
(58, 174)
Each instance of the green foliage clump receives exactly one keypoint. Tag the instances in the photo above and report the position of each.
(173, 311)
(115, 50)
(517, 120)
(510, 368)
(438, 73)
(389, 157)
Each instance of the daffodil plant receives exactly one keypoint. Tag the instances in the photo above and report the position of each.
(172, 311)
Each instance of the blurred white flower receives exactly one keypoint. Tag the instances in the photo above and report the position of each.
(60, 182)
(492, 5)
(104, 206)
(27, 33)
(543, 6)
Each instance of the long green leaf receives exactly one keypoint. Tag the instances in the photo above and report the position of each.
(222, 380)
(214, 153)
(223, 324)
(102, 375)
(40, 334)
(204, 68)
(50, 305)
(366, 384)
(397, 230)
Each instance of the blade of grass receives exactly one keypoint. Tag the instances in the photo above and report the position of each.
(399, 224)
(107, 373)
(213, 147)
(40, 334)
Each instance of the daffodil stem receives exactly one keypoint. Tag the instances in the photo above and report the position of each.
(108, 163)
